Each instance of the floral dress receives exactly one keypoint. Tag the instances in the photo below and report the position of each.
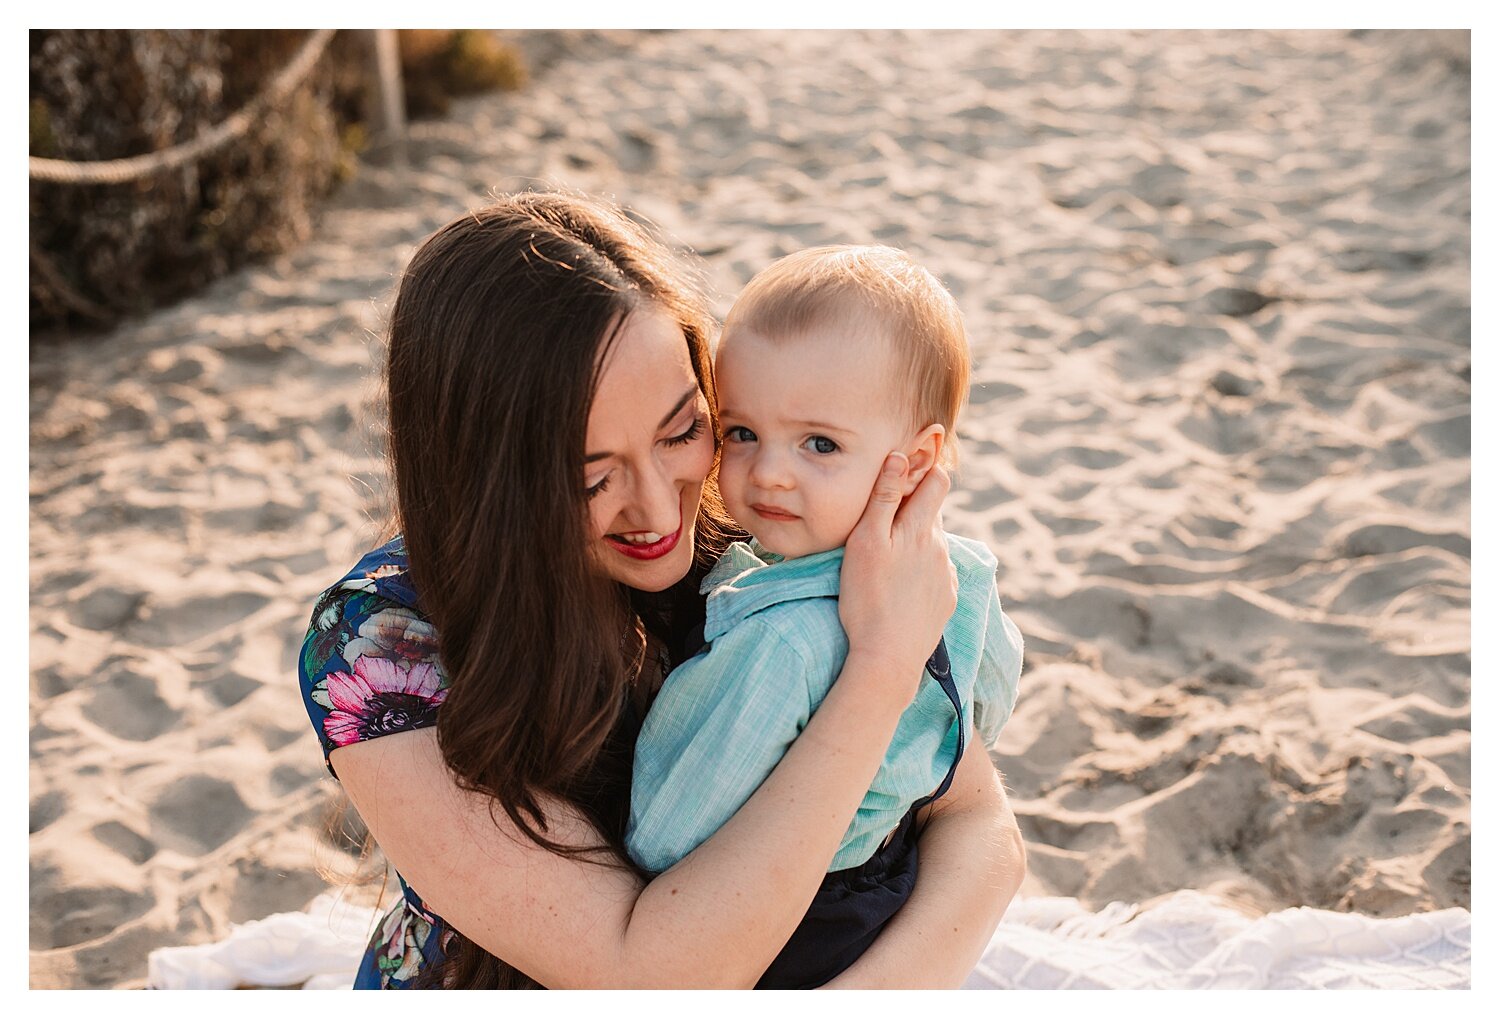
(369, 667)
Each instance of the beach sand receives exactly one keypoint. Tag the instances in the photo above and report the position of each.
(1217, 286)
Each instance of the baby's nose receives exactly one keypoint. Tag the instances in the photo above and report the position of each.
(768, 470)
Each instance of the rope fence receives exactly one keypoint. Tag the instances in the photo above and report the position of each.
(121, 171)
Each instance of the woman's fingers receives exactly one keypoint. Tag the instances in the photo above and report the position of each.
(924, 507)
(898, 583)
(885, 499)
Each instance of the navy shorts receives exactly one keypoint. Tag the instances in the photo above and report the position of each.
(848, 912)
(852, 906)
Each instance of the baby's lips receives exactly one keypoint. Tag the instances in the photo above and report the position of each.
(774, 511)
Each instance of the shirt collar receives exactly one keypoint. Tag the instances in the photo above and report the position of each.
(749, 578)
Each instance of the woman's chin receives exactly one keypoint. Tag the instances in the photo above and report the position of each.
(650, 575)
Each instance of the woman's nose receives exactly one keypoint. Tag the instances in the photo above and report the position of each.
(657, 504)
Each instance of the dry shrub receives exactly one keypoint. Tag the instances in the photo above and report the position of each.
(438, 64)
(103, 252)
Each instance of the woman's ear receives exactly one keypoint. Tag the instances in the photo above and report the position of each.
(921, 454)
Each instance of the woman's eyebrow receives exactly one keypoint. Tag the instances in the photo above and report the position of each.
(681, 403)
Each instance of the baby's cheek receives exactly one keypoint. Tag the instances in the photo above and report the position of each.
(731, 478)
(853, 497)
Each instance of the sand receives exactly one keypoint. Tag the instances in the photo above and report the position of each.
(1218, 291)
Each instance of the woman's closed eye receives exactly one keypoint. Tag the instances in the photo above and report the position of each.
(694, 430)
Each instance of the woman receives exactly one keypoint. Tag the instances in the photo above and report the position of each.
(553, 439)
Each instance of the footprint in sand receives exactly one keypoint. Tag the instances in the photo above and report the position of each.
(1066, 526)
(1414, 718)
(1074, 833)
(174, 623)
(129, 705)
(1378, 539)
(126, 841)
(1372, 587)
(229, 689)
(47, 808)
(197, 814)
(1224, 432)
(49, 682)
(79, 913)
(1452, 869)
(107, 608)
(1449, 437)
(256, 889)
(270, 515)
(1227, 383)
(1091, 459)
(1230, 676)
(290, 778)
(1236, 302)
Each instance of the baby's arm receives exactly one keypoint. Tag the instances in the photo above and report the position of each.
(718, 727)
(998, 681)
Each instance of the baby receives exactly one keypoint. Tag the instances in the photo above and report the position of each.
(830, 359)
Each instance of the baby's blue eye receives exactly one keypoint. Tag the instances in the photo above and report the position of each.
(822, 444)
(739, 433)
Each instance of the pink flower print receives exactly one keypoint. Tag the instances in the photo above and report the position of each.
(381, 697)
(394, 633)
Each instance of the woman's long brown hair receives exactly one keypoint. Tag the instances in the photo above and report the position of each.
(496, 338)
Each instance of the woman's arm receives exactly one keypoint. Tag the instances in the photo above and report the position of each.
(971, 861)
(719, 916)
(716, 919)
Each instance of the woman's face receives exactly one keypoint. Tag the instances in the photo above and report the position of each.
(649, 448)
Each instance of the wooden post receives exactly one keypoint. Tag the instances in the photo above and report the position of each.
(388, 100)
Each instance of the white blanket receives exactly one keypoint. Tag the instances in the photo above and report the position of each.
(1190, 941)
(317, 949)
(1185, 941)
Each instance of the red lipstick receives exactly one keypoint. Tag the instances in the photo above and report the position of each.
(655, 550)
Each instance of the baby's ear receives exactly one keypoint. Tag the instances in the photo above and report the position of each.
(921, 455)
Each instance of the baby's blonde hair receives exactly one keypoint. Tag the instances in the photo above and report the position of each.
(878, 286)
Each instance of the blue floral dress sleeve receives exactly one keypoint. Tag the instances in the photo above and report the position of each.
(369, 667)
(369, 663)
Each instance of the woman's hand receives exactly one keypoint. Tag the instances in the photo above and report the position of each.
(898, 588)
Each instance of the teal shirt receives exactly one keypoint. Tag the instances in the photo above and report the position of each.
(724, 718)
